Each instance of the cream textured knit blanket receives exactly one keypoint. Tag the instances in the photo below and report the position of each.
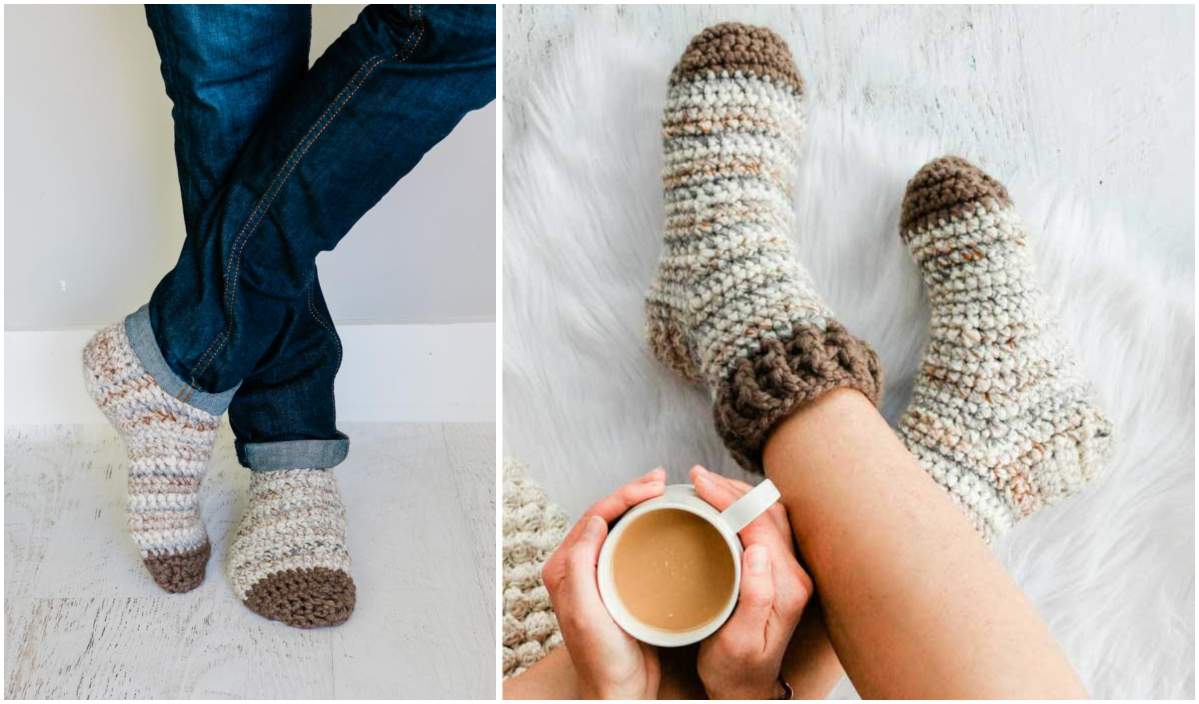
(533, 527)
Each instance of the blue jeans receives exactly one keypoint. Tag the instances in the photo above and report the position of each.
(277, 161)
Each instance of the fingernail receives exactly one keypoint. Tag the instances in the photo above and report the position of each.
(701, 468)
(595, 524)
(755, 557)
(655, 474)
(702, 479)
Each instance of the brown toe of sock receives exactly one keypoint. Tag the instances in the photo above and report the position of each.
(181, 572)
(731, 46)
(944, 188)
(307, 598)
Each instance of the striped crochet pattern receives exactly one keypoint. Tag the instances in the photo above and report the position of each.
(533, 528)
(289, 561)
(169, 445)
(1000, 414)
(731, 308)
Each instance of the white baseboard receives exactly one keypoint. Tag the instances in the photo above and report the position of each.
(389, 373)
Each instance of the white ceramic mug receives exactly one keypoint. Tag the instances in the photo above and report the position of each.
(728, 523)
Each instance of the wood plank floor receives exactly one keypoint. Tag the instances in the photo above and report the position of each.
(83, 620)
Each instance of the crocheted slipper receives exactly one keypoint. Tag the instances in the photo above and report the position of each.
(731, 308)
(1000, 414)
(169, 444)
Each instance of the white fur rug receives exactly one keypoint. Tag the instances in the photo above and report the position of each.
(1113, 570)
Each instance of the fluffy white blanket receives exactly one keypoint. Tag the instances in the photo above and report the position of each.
(1112, 571)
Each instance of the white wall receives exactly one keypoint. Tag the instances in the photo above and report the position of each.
(93, 218)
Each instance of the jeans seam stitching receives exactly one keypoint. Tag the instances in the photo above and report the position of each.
(333, 334)
(280, 178)
(276, 185)
(284, 174)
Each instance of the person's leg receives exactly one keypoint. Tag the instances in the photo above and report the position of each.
(916, 604)
(289, 560)
(404, 76)
(388, 89)
(224, 67)
(1000, 419)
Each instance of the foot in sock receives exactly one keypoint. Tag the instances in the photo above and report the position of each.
(169, 444)
(289, 560)
(1000, 415)
(731, 308)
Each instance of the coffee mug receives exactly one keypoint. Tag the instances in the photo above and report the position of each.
(728, 523)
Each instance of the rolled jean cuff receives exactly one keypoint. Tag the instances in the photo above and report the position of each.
(141, 339)
(292, 454)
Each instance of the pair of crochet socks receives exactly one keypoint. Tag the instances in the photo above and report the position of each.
(288, 560)
(1000, 416)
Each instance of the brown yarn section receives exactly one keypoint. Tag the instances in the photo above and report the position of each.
(946, 188)
(182, 572)
(305, 598)
(732, 46)
(762, 390)
(668, 341)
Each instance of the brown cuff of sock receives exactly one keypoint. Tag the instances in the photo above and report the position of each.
(762, 390)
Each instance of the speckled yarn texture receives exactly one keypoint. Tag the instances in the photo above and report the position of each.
(730, 307)
(169, 444)
(533, 527)
(289, 560)
(1000, 414)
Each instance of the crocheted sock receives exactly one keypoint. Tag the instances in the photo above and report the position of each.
(288, 561)
(169, 443)
(730, 307)
(1000, 415)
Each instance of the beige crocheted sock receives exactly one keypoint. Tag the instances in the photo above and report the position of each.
(731, 307)
(533, 527)
(169, 443)
(1000, 415)
(288, 561)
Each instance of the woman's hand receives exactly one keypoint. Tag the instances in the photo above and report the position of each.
(743, 659)
(610, 663)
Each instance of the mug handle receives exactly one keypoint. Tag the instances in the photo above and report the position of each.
(755, 502)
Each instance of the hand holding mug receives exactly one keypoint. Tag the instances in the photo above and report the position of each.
(610, 663)
(743, 659)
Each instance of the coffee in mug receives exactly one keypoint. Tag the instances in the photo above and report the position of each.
(673, 570)
(670, 569)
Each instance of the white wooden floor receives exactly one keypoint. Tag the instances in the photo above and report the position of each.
(83, 620)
